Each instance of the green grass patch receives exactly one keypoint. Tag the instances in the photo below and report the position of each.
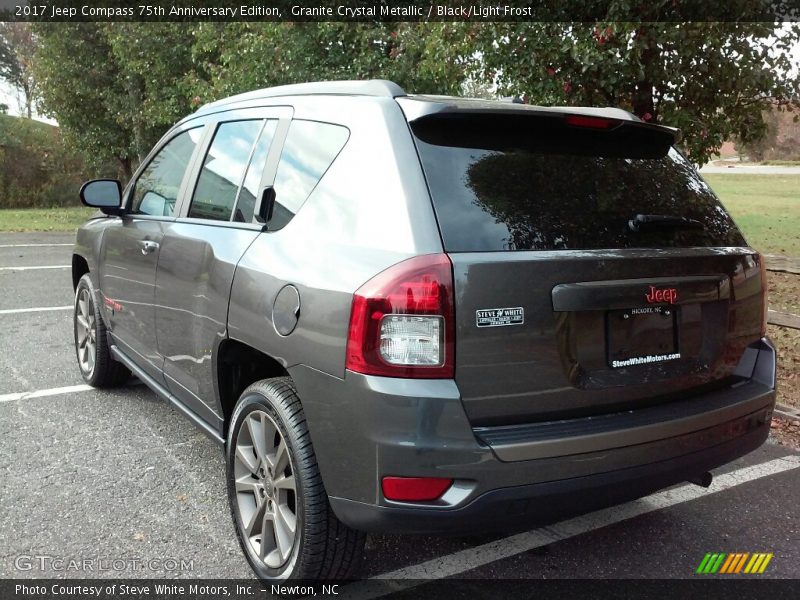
(44, 219)
(766, 208)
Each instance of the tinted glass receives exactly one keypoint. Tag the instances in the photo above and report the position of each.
(223, 170)
(245, 205)
(309, 150)
(516, 194)
(156, 190)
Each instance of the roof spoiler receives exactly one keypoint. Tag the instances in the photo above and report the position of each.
(549, 131)
(590, 118)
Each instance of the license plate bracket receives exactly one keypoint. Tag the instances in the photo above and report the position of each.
(645, 335)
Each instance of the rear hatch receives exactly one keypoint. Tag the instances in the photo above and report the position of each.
(594, 270)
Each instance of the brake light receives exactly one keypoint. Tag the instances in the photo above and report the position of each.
(402, 322)
(589, 122)
(414, 489)
(764, 304)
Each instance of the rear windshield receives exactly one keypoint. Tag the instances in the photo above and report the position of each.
(522, 186)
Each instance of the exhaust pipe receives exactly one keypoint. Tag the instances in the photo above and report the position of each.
(703, 480)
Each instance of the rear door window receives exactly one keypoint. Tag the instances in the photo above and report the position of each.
(224, 169)
(309, 150)
(521, 187)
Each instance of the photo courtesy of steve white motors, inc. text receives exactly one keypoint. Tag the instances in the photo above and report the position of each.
(145, 589)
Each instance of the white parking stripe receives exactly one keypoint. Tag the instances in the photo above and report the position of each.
(14, 311)
(44, 393)
(33, 268)
(477, 556)
(31, 245)
(71, 389)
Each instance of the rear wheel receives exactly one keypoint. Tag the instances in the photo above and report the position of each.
(98, 367)
(279, 505)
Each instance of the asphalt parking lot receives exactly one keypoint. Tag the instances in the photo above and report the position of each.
(113, 475)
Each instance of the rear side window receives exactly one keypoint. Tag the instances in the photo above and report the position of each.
(223, 170)
(309, 151)
(523, 187)
(156, 189)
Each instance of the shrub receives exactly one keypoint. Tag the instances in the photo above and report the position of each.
(36, 168)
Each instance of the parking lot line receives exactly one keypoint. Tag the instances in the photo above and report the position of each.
(478, 556)
(31, 245)
(70, 389)
(14, 311)
(34, 268)
(43, 393)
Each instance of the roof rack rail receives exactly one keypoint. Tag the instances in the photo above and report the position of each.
(370, 87)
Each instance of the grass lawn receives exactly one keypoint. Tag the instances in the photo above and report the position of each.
(766, 208)
(44, 219)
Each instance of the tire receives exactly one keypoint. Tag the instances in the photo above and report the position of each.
(98, 367)
(322, 547)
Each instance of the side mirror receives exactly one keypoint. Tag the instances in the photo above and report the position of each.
(105, 194)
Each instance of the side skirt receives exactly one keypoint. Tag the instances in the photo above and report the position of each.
(166, 395)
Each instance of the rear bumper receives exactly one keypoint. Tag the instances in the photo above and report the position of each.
(523, 506)
(364, 428)
(630, 428)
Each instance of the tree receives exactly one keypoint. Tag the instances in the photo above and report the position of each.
(157, 71)
(781, 141)
(758, 148)
(711, 79)
(114, 88)
(239, 57)
(17, 49)
(82, 89)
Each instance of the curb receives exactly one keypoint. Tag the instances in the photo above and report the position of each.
(787, 412)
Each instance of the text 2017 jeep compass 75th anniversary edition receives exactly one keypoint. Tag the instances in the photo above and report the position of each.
(412, 313)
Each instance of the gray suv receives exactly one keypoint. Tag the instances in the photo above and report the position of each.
(403, 313)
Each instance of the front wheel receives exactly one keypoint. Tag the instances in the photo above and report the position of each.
(98, 367)
(279, 505)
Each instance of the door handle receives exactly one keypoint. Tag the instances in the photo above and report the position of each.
(148, 247)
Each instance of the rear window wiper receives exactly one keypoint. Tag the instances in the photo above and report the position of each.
(652, 222)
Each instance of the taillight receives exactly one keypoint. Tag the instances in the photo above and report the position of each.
(590, 122)
(402, 321)
(764, 303)
(414, 489)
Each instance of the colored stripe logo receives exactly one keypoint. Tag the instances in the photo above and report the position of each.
(731, 564)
